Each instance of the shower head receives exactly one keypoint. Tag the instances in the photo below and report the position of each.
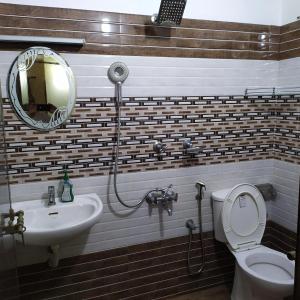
(170, 13)
(118, 72)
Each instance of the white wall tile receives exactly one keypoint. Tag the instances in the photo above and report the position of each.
(118, 228)
(157, 76)
(289, 73)
(162, 76)
(284, 209)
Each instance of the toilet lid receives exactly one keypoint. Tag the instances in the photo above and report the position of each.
(244, 217)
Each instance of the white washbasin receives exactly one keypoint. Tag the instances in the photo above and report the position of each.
(52, 225)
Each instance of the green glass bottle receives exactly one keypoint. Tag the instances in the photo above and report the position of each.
(67, 191)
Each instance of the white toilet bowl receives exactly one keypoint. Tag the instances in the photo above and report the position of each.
(262, 273)
(239, 221)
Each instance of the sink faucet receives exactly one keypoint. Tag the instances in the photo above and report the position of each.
(51, 195)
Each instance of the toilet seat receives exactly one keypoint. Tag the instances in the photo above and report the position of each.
(244, 217)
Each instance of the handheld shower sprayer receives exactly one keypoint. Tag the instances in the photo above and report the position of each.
(118, 73)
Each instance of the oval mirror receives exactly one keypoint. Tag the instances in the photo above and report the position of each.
(41, 87)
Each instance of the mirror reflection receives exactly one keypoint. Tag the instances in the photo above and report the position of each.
(42, 88)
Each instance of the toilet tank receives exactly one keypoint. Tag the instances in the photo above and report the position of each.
(218, 198)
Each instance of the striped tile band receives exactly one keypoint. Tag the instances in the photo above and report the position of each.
(229, 129)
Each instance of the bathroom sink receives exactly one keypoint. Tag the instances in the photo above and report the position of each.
(52, 225)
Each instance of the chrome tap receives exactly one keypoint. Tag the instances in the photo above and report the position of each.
(163, 198)
(159, 147)
(189, 149)
(51, 195)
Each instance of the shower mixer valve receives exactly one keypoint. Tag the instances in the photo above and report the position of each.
(163, 198)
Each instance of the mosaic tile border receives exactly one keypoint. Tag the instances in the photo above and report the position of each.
(230, 128)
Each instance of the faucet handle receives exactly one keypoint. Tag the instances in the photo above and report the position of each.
(187, 143)
(164, 147)
(159, 147)
(189, 149)
(170, 194)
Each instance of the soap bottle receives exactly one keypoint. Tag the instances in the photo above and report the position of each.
(67, 189)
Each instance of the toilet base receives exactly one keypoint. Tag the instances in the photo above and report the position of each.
(243, 288)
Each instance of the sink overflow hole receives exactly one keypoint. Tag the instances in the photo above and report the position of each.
(53, 213)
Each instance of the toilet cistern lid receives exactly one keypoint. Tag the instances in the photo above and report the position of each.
(244, 217)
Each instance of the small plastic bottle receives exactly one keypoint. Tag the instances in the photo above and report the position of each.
(67, 190)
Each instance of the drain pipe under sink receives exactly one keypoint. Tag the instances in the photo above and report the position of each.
(54, 256)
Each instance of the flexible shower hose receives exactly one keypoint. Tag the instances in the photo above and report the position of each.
(117, 158)
(118, 110)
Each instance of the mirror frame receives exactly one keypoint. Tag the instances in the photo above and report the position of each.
(25, 60)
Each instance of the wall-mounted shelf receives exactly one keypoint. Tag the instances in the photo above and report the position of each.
(274, 91)
(41, 39)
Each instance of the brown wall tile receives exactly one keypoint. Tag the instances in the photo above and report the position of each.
(125, 34)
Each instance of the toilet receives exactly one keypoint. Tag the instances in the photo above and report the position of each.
(239, 221)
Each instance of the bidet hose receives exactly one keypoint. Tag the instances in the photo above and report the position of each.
(201, 267)
(118, 109)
